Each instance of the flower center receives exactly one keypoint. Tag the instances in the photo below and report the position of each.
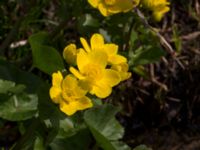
(110, 2)
(93, 72)
(69, 95)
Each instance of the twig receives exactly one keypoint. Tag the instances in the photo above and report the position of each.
(155, 81)
(163, 41)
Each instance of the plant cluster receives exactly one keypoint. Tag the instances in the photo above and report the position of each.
(55, 97)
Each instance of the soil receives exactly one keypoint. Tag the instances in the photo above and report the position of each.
(163, 112)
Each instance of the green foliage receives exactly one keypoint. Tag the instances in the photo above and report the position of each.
(11, 73)
(146, 55)
(46, 58)
(105, 128)
(8, 86)
(149, 52)
(79, 141)
(16, 104)
(18, 107)
(47, 26)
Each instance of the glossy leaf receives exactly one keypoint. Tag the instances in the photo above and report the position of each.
(80, 141)
(21, 78)
(5, 86)
(19, 107)
(105, 128)
(146, 55)
(45, 58)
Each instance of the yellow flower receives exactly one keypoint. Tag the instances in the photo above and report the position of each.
(93, 74)
(68, 94)
(109, 7)
(70, 54)
(97, 44)
(122, 70)
(158, 7)
(160, 12)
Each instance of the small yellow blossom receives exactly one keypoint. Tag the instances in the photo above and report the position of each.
(109, 7)
(92, 73)
(111, 50)
(158, 7)
(122, 70)
(68, 94)
(70, 54)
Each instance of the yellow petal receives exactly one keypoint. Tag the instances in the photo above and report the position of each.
(117, 59)
(99, 58)
(72, 87)
(70, 54)
(159, 13)
(110, 2)
(76, 73)
(101, 91)
(82, 59)
(125, 75)
(103, 9)
(55, 94)
(72, 107)
(83, 103)
(68, 108)
(57, 79)
(96, 41)
(94, 3)
(121, 6)
(85, 44)
(111, 78)
(122, 69)
(111, 49)
(69, 82)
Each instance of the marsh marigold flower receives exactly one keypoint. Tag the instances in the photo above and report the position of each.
(109, 7)
(158, 7)
(100, 67)
(111, 50)
(68, 94)
(93, 73)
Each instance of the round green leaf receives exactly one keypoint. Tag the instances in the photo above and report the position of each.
(45, 58)
(19, 107)
(105, 128)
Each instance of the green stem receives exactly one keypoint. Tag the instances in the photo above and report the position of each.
(129, 34)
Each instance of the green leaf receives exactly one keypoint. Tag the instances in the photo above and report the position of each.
(22, 79)
(88, 20)
(19, 107)
(146, 55)
(45, 58)
(66, 128)
(105, 128)
(80, 141)
(176, 39)
(5, 86)
(38, 145)
(140, 70)
(9, 86)
(133, 39)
